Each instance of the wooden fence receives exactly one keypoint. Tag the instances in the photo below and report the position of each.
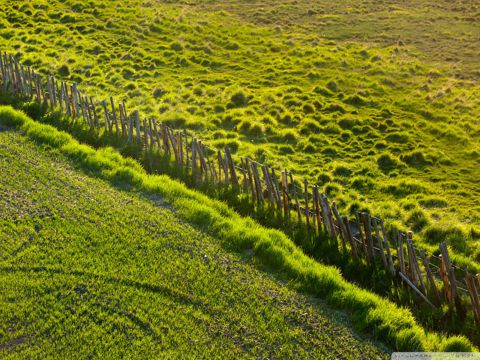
(434, 278)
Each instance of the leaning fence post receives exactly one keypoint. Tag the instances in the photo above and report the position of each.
(473, 292)
(451, 277)
(430, 278)
(350, 238)
(231, 165)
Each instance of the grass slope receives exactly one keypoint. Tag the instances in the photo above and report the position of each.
(326, 90)
(88, 270)
(269, 247)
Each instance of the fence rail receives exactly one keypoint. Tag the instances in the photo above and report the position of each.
(434, 278)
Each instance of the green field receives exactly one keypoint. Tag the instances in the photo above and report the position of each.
(375, 101)
(63, 234)
(88, 270)
(358, 97)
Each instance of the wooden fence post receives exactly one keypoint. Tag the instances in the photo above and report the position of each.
(401, 257)
(269, 186)
(258, 184)
(307, 210)
(327, 217)
(286, 206)
(194, 159)
(231, 165)
(430, 278)
(451, 277)
(387, 247)
(316, 202)
(473, 292)
(250, 179)
(341, 226)
(380, 243)
(297, 203)
(350, 238)
(362, 238)
(415, 268)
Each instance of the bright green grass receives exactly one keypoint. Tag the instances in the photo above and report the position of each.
(325, 91)
(87, 270)
(271, 248)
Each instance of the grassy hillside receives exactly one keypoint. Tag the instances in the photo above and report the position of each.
(328, 91)
(89, 270)
(268, 248)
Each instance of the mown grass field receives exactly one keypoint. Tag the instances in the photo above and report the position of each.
(89, 270)
(374, 101)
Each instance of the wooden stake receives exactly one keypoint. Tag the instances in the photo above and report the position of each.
(401, 256)
(446, 284)
(157, 137)
(328, 218)
(341, 225)
(286, 205)
(250, 179)
(136, 117)
(297, 203)
(187, 157)
(114, 115)
(222, 166)
(380, 243)
(231, 165)
(269, 186)
(430, 278)
(350, 238)
(407, 280)
(276, 190)
(307, 210)
(244, 174)
(362, 238)
(130, 129)
(316, 202)
(414, 262)
(145, 134)
(387, 247)
(453, 285)
(194, 158)
(473, 292)
(258, 184)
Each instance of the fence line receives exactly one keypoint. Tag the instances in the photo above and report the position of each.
(294, 200)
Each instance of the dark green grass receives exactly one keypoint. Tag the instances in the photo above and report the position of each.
(270, 248)
(89, 271)
(326, 90)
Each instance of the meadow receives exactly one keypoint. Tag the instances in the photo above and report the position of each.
(374, 101)
(362, 100)
(268, 249)
(88, 269)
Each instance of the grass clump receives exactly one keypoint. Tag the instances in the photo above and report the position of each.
(447, 232)
(387, 163)
(239, 99)
(415, 158)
